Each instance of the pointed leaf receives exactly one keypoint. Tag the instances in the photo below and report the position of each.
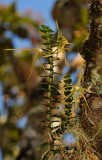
(43, 145)
(45, 155)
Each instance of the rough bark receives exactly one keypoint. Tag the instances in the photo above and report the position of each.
(91, 122)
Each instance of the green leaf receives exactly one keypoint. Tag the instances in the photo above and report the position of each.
(68, 81)
(49, 69)
(43, 145)
(54, 127)
(45, 37)
(67, 88)
(67, 75)
(57, 151)
(46, 50)
(57, 116)
(55, 121)
(66, 93)
(44, 27)
(45, 155)
(43, 76)
(56, 101)
(44, 31)
(50, 30)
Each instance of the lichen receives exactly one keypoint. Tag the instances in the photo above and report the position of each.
(97, 80)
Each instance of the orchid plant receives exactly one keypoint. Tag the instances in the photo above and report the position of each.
(53, 94)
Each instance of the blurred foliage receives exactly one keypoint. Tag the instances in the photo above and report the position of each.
(11, 19)
(13, 91)
(15, 24)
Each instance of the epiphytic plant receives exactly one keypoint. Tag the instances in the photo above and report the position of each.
(79, 89)
(53, 95)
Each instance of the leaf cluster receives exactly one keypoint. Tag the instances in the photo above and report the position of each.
(53, 95)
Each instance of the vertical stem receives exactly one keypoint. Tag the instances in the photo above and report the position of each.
(49, 100)
(67, 100)
(49, 97)
(49, 92)
(68, 109)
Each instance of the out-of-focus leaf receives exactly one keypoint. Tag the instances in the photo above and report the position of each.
(42, 146)
(45, 155)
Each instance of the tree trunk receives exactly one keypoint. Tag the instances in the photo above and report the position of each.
(91, 122)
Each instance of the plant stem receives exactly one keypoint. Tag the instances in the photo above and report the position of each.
(67, 103)
(50, 90)
(50, 98)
